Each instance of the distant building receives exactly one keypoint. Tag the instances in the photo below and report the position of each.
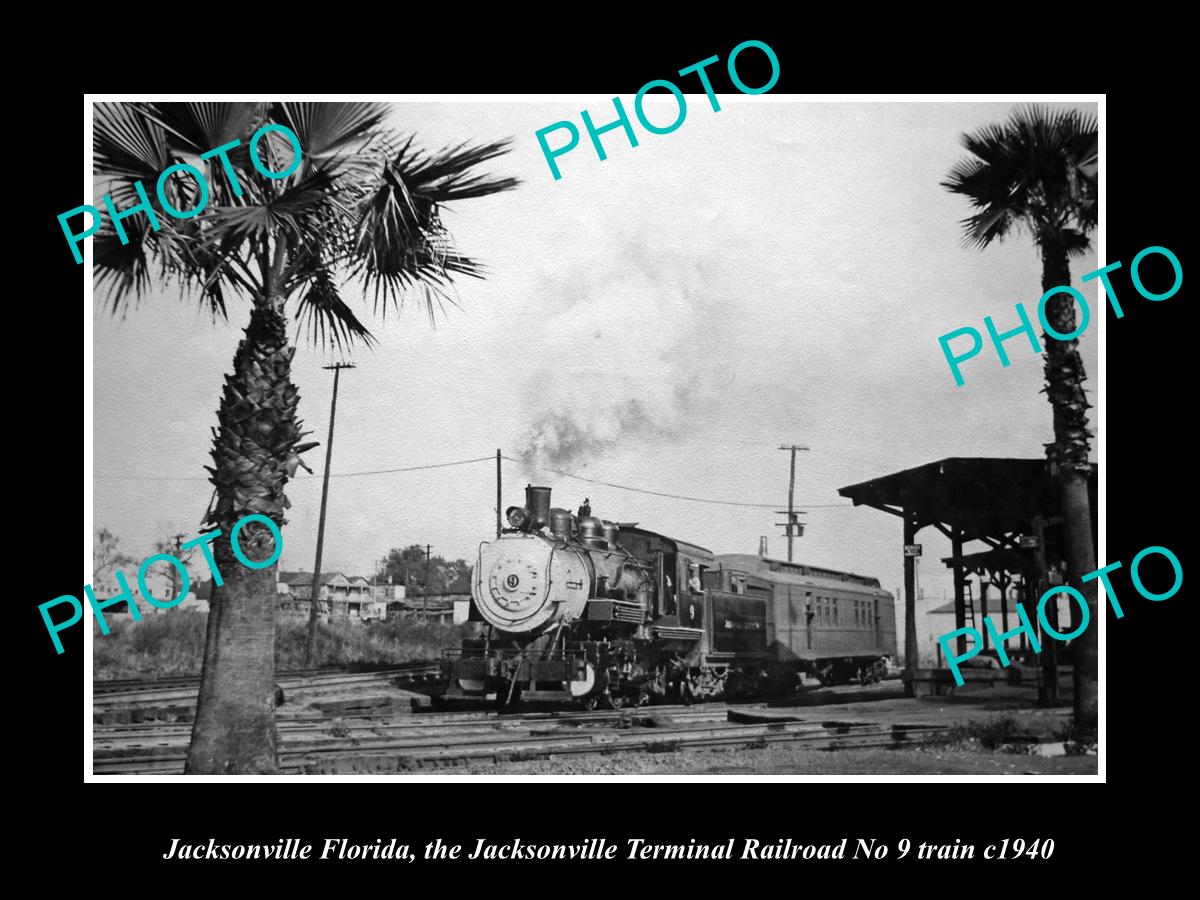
(388, 592)
(198, 598)
(339, 596)
(433, 608)
(940, 621)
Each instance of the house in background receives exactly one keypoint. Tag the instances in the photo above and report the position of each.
(391, 596)
(388, 592)
(361, 602)
(339, 596)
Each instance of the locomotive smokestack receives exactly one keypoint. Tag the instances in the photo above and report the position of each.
(537, 501)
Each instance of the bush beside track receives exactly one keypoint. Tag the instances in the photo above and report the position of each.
(173, 644)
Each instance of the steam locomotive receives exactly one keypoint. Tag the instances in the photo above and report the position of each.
(574, 607)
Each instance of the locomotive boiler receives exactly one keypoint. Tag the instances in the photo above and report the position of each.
(572, 606)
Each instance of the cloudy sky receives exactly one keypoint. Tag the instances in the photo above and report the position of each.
(775, 272)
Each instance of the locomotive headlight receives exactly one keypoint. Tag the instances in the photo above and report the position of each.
(517, 516)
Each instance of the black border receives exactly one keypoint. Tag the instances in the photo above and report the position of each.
(1147, 177)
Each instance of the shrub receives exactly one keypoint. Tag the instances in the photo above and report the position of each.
(343, 643)
(990, 733)
(158, 646)
(172, 643)
(1079, 737)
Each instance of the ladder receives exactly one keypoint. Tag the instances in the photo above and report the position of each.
(969, 602)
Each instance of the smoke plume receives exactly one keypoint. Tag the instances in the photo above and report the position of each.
(627, 360)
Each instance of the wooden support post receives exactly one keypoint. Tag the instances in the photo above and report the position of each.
(983, 592)
(1005, 581)
(910, 606)
(1030, 585)
(960, 607)
(1049, 649)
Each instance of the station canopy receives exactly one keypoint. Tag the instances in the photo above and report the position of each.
(996, 559)
(984, 498)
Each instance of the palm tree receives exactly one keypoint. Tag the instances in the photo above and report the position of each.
(1037, 172)
(363, 205)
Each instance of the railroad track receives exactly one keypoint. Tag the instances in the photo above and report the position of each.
(107, 693)
(115, 735)
(150, 702)
(424, 742)
(135, 685)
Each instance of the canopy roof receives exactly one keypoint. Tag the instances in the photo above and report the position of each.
(998, 559)
(982, 496)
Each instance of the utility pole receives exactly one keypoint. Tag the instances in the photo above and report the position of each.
(792, 527)
(425, 592)
(499, 495)
(174, 571)
(315, 593)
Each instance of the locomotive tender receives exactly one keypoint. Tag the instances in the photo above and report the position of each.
(577, 607)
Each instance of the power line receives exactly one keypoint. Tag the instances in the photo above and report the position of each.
(625, 487)
(880, 459)
(464, 462)
(461, 462)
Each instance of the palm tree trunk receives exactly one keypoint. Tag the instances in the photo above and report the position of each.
(234, 731)
(1065, 376)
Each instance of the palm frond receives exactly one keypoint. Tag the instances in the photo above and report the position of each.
(1074, 241)
(993, 224)
(400, 238)
(363, 203)
(337, 136)
(196, 128)
(324, 315)
(1037, 170)
(127, 147)
(449, 174)
(122, 270)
